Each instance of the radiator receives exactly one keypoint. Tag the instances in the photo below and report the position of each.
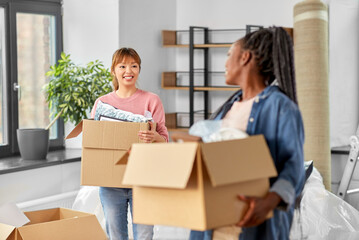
(60, 200)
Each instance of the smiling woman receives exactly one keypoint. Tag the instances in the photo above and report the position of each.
(125, 69)
(126, 66)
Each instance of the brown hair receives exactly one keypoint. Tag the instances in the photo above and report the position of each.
(118, 57)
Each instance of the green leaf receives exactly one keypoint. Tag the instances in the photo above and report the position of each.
(75, 88)
(63, 55)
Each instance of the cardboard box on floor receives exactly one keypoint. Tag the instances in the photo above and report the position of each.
(195, 185)
(55, 224)
(105, 146)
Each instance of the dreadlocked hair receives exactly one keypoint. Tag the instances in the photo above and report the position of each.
(272, 49)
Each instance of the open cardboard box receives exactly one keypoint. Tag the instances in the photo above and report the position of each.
(195, 185)
(55, 224)
(105, 146)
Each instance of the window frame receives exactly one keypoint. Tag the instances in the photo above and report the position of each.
(11, 7)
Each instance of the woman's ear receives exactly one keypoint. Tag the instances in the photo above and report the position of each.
(246, 57)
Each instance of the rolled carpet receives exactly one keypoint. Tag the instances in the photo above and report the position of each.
(311, 64)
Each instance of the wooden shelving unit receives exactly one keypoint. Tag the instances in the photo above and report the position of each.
(169, 79)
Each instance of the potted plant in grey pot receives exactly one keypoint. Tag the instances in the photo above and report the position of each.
(70, 94)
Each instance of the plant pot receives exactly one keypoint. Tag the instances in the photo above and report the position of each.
(33, 143)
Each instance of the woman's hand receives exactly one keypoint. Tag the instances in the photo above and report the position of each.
(258, 209)
(151, 135)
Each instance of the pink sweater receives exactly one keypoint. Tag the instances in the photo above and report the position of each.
(138, 103)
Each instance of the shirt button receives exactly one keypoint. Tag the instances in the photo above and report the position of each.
(257, 99)
(251, 119)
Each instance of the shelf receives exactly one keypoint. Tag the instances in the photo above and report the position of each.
(171, 120)
(197, 88)
(212, 45)
(184, 129)
(179, 121)
(169, 39)
(169, 82)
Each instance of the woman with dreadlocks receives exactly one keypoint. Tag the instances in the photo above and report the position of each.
(261, 63)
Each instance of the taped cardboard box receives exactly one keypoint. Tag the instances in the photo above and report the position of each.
(55, 224)
(195, 185)
(105, 146)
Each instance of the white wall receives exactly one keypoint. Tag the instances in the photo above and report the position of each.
(344, 70)
(344, 85)
(234, 13)
(40, 182)
(91, 31)
(141, 23)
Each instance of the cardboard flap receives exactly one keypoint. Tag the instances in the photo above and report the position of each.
(74, 228)
(44, 215)
(123, 158)
(11, 215)
(167, 165)
(111, 135)
(238, 160)
(5, 231)
(65, 213)
(76, 131)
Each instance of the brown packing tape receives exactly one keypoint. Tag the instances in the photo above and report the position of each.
(311, 63)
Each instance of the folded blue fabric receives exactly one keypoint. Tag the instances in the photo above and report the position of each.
(106, 110)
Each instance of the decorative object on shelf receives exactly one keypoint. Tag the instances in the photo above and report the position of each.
(70, 94)
(209, 40)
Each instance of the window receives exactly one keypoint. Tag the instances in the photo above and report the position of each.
(30, 42)
(3, 103)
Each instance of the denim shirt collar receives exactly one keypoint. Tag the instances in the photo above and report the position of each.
(219, 114)
(262, 95)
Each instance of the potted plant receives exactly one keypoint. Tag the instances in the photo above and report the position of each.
(70, 93)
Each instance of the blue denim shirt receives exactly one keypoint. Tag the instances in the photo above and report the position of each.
(278, 118)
